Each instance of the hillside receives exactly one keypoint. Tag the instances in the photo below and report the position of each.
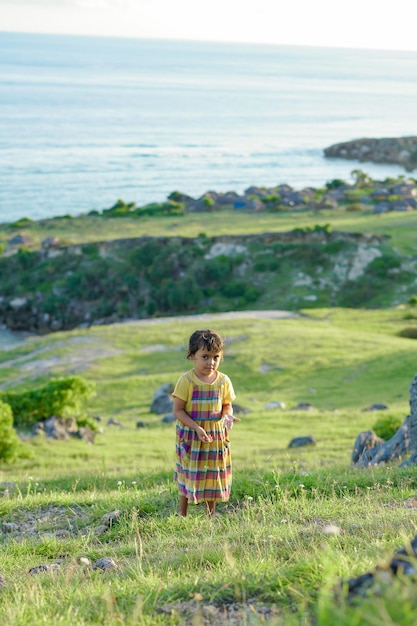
(344, 245)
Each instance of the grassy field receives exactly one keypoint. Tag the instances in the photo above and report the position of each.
(299, 521)
(400, 227)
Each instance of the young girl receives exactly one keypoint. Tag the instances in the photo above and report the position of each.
(203, 400)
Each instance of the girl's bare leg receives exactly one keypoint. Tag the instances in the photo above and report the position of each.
(183, 506)
(211, 507)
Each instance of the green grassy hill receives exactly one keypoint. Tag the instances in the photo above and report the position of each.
(103, 270)
(299, 521)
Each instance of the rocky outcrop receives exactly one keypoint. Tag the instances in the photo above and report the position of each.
(371, 450)
(401, 151)
(110, 281)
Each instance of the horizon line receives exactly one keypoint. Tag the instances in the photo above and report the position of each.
(207, 41)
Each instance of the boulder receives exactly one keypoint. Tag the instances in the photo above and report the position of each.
(299, 442)
(378, 406)
(404, 562)
(162, 400)
(302, 406)
(59, 427)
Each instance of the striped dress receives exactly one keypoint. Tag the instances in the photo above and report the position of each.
(203, 470)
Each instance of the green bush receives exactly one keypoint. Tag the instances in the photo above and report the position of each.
(409, 333)
(64, 397)
(335, 183)
(160, 208)
(9, 441)
(413, 301)
(386, 426)
(380, 266)
(20, 223)
(354, 207)
(120, 209)
(272, 199)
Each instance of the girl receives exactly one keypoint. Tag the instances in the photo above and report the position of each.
(203, 400)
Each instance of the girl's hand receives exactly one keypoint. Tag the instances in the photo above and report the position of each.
(229, 419)
(203, 436)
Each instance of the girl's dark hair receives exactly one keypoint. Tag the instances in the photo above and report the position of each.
(207, 339)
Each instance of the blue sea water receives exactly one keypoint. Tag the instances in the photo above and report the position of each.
(87, 120)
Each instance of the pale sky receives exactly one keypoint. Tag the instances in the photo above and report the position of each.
(380, 24)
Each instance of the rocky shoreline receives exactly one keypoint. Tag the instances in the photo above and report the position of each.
(400, 151)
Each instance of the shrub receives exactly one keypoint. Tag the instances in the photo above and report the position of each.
(233, 289)
(120, 209)
(413, 301)
(409, 333)
(272, 199)
(355, 207)
(386, 426)
(63, 397)
(380, 266)
(160, 208)
(335, 183)
(23, 221)
(176, 196)
(9, 441)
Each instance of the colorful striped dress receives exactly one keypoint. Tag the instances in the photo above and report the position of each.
(203, 470)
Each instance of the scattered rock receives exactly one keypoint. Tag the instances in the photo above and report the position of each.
(298, 442)
(86, 433)
(10, 527)
(40, 569)
(100, 530)
(18, 303)
(403, 562)
(275, 405)
(366, 440)
(105, 563)
(20, 240)
(140, 424)
(113, 422)
(50, 242)
(110, 519)
(376, 407)
(56, 427)
(168, 419)
(162, 400)
(302, 406)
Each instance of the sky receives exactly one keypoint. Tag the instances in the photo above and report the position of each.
(377, 24)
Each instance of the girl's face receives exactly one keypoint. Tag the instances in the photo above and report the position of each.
(206, 363)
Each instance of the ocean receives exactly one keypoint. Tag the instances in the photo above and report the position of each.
(85, 121)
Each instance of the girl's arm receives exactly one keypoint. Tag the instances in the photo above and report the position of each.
(183, 417)
(227, 412)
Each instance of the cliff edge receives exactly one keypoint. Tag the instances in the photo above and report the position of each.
(401, 151)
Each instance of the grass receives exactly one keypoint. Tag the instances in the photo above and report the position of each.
(400, 227)
(299, 522)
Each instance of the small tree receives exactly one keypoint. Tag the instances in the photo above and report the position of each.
(362, 179)
(64, 397)
(9, 441)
